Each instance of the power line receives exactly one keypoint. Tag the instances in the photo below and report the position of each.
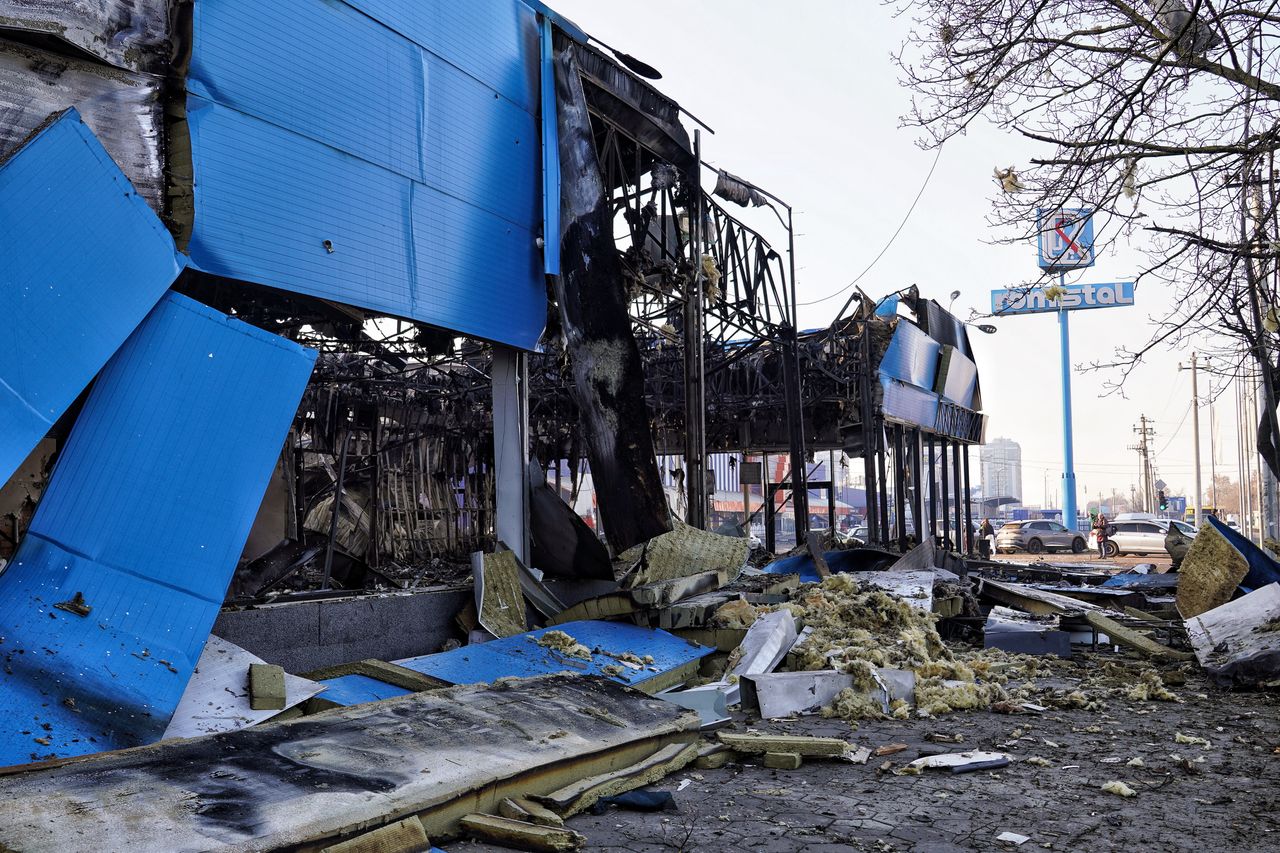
(880, 255)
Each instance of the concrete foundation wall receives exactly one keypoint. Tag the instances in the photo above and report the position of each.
(305, 635)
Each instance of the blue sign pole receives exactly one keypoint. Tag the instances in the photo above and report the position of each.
(1068, 451)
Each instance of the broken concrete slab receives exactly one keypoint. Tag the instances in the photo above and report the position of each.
(215, 699)
(499, 596)
(437, 755)
(1218, 562)
(67, 312)
(1239, 642)
(175, 446)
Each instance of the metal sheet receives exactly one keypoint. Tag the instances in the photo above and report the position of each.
(1238, 641)
(122, 109)
(357, 689)
(912, 356)
(146, 512)
(131, 34)
(217, 696)
(352, 163)
(522, 656)
(85, 259)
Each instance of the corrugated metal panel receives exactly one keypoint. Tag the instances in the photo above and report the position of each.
(958, 376)
(908, 404)
(912, 356)
(411, 146)
(357, 689)
(522, 656)
(131, 34)
(145, 515)
(123, 109)
(85, 259)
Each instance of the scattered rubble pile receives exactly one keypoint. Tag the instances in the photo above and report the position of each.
(670, 661)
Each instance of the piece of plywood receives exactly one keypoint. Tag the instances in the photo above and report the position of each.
(318, 780)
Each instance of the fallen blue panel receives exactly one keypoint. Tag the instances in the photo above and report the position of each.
(387, 155)
(356, 689)
(85, 259)
(848, 560)
(1262, 569)
(107, 604)
(1152, 581)
(523, 657)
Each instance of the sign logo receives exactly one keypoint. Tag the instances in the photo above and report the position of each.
(1073, 297)
(1064, 237)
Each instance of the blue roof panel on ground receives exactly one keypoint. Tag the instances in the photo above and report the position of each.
(144, 519)
(386, 156)
(356, 689)
(521, 656)
(85, 259)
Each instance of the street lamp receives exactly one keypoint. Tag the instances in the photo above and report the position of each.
(986, 328)
(955, 294)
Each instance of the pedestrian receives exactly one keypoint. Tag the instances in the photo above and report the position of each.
(1101, 526)
(985, 532)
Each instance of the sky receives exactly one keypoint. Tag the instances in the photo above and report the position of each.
(805, 102)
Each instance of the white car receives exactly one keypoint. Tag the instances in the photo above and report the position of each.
(1134, 537)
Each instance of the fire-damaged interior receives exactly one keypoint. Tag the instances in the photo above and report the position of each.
(387, 477)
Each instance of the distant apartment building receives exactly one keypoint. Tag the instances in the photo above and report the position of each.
(1001, 468)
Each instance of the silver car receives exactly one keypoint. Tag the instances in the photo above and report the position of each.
(1134, 537)
(1038, 536)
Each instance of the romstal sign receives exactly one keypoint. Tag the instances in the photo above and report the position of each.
(1064, 242)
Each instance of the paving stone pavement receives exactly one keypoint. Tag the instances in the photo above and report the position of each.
(1225, 797)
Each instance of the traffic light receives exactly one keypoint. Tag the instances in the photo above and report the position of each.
(1164, 502)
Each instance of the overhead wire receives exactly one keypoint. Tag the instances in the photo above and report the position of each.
(910, 210)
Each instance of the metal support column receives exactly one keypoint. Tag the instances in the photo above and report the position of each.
(767, 490)
(881, 448)
(831, 491)
(899, 488)
(946, 493)
(933, 493)
(1068, 451)
(871, 485)
(917, 485)
(695, 408)
(955, 479)
(968, 505)
(510, 449)
(795, 431)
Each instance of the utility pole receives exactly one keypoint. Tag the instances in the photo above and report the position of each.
(1195, 440)
(1144, 454)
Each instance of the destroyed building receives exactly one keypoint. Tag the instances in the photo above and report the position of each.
(313, 344)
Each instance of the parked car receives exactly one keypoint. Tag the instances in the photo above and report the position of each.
(1038, 536)
(1134, 537)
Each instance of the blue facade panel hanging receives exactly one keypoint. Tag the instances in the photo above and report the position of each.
(139, 531)
(387, 155)
(85, 259)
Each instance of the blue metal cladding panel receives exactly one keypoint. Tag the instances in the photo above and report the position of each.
(405, 134)
(550, 153)
(912, 356)
(906, 403)
(494, 41)
(145, 516)
(85, 259)
(357, 689)
(522, 656)
(961, 379)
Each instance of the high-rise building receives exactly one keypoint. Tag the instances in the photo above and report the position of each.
(1001, 460)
